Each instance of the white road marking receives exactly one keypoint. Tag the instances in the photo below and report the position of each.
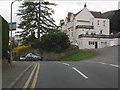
(114, 65)
(103, 63)
(109, 64)
(66, 64)
(80, 73)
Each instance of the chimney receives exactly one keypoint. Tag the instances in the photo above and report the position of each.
(69, 15)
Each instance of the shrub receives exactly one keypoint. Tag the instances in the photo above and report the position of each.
(55, 42)
(18, 50)
(52, 42)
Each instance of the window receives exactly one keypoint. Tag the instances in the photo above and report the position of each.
(100, 31)
(92, 23)
(103, 23)
(98, 22)
(104, 43)
(86, 32)
(91, 43)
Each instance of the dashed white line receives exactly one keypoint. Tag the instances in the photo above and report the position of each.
(114, 65)
(80, 73)
(66, 64)
(103, 63)
(109, 64)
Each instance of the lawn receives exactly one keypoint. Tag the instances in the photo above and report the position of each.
(81, 55)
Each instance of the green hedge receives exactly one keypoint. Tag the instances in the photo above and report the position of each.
(5, 37)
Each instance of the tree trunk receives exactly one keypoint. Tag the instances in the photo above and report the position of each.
(39, 21)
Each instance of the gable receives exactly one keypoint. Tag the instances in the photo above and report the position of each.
(84, 14)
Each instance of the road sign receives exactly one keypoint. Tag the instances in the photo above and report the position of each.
(13, 26)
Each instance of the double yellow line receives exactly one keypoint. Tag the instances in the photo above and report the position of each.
(36, 68)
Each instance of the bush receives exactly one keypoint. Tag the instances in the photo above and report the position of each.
(18, 50)
(55, 42)
(52, 42)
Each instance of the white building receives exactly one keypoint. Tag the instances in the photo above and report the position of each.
(88, 29)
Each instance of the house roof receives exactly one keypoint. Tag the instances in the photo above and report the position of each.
(77, 13)
(94, 13)
(97, 14)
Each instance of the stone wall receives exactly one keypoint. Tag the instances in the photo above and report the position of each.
(51, 56)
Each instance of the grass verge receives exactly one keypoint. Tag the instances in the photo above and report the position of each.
(81, 55)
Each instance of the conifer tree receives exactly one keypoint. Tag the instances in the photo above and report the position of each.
(35, 16)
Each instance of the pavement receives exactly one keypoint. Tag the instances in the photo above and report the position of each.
(11, 73)
(0, 74)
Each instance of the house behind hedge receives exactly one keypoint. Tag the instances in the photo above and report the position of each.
(88, 29)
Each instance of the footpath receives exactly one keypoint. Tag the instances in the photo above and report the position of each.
(12, 73)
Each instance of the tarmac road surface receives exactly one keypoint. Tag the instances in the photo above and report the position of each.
(52, 74)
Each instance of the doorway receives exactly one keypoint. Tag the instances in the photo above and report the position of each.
(96, 44)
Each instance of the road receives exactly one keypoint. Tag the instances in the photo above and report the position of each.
(52, 74)
(99, 72)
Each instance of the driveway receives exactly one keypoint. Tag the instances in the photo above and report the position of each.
(107, 55)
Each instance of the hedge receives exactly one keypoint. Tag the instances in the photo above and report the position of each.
(5, 37)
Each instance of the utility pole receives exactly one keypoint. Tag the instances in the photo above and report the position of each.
(11, 56)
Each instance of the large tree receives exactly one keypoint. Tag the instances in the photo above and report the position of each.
(52, 42)
(115, 21)
(35, 16)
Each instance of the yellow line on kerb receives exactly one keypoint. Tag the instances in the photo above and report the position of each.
(35, 77)
(30, 77)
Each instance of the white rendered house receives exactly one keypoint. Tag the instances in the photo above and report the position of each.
(88, 29)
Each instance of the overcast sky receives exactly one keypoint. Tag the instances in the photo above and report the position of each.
(62, 8)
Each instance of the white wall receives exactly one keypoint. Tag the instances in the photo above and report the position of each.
(115, 41)
(102, 42)
(84, 43)
(97, 28)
